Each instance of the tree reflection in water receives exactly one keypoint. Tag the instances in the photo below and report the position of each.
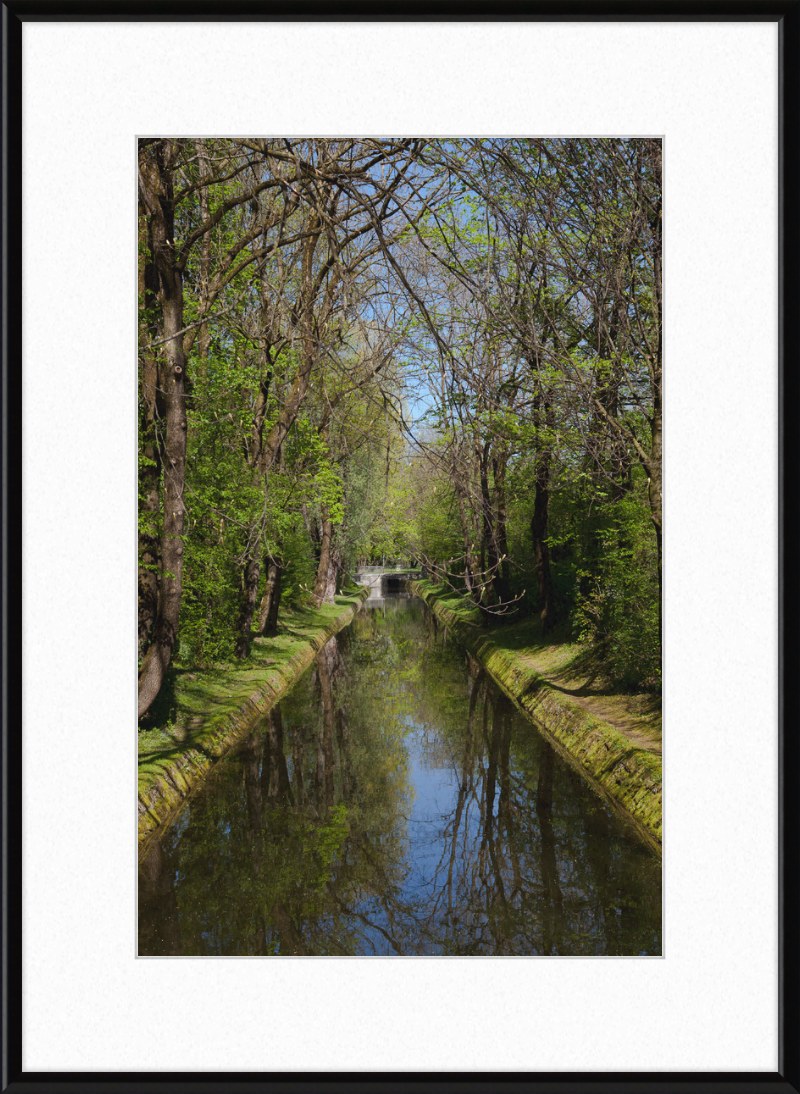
(396, 802)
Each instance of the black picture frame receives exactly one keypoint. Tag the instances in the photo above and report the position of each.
(786, 13)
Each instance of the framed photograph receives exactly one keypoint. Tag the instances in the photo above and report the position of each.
(698, 991)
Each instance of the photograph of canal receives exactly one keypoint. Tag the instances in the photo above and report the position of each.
(400, 547)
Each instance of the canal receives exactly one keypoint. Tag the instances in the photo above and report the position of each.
(397, 803)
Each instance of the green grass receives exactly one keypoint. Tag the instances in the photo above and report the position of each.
(463, 609)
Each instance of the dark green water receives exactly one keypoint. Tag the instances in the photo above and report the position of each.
(397, 803)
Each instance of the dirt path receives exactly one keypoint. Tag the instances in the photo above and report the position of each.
(637, 717)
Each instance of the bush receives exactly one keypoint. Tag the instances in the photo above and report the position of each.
(618, 615)
(301, 569)
(210, 602)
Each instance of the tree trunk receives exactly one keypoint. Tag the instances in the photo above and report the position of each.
(541, 549)
(541, 512)
(204, 338)
(150, 501)
(270, 602)
(471, 579)
(158, 196)
(299, 387)
(275, 603)
(333, 572)
(264, 381)
(150, 467)
(322, 583)
(489, 545)
(655, 496)
(252, 572)
(504, 575)
(654, 148)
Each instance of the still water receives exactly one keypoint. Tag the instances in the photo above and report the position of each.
(396, 802)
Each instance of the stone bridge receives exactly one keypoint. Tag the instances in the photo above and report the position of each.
(382, 580)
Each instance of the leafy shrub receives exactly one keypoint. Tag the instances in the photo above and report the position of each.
(618, 615)
(301, 569)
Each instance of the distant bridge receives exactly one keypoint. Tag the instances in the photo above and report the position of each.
(381, 580)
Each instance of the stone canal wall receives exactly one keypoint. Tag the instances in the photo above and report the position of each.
(171, 765)
(629, 778)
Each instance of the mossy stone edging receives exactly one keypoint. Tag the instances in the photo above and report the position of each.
(163, 796)
(628, 777)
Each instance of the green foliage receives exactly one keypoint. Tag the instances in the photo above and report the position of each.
(301, 568)
(618, 614)
(438, 525)
(327, 481)
(211, 594)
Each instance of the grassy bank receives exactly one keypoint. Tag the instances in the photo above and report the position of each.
(613, 739)
(211, 710)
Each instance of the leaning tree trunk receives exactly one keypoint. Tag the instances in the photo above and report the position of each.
(157, 193)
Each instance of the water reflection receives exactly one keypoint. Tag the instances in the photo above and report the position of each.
(397, 803)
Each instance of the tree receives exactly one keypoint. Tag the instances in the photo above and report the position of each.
(160, 159)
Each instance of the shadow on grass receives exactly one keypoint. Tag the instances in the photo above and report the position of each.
(589, 663)
(584, 663)
(179, 718)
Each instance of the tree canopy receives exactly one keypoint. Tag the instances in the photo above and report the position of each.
(441, 351)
